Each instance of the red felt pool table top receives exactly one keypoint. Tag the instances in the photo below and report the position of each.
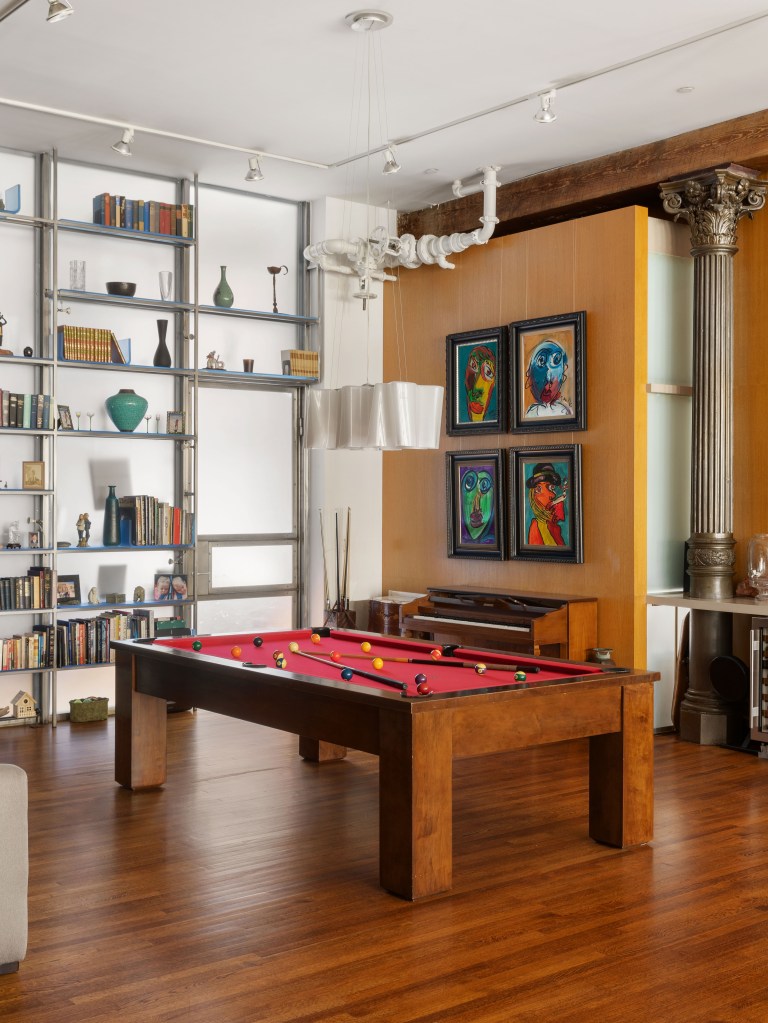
(443, 675)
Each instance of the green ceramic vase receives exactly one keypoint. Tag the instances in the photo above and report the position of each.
(126, 409)
(223, 296)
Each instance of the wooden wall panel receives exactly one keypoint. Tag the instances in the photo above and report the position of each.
(598, 264)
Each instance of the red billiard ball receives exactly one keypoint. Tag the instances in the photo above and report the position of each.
(257, 641)
(365, 646)
(378, 663)
(315, 638)
(423, 689)
(347, 674)
(236, 651)
(480, 668)
(436, 654)
(335, 655)
(421, 677)
(277, 655)
(197, 645)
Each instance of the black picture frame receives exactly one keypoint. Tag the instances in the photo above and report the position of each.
(68, 589)
(65, 418)
(550, 529)
(548, 384)
(468, 474)
(460, 418)
(170, 586)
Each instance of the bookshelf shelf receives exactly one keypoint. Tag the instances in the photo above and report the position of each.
(124, 367)
(122, 548)
(137, 302)
(117, 435)
(84, 227)
(21, 360)
(257, 314)
(103, 605)
(19, 490)
(234, 377)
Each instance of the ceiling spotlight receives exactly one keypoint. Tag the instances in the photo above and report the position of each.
(123, 147)
(391, 166)
(545, 114)
(254, 170)
(58, 10)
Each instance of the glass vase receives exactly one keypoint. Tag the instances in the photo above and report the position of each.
(162, 356)
(223, 296)
(757, 564)
(111, 518)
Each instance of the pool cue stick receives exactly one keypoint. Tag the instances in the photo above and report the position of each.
(326, 592)
(346, 562)
(356, 671)
(338, 583)
(449, 650)
(439, 663)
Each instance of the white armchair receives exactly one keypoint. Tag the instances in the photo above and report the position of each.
(14, 867)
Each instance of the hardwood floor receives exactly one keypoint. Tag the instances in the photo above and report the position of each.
(246, 890)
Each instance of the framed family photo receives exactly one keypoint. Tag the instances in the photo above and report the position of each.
(68, 589)
(475, 489)
(548, 374)
(476, 381)
(545, 504)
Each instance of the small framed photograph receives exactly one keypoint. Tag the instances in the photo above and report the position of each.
(545, 503)
(175, 422)
(35, 540)
(65, 418)
(33, 475)
(68, 589)
(476, 381)
(475, 504)
(170, 586)
(548, 374)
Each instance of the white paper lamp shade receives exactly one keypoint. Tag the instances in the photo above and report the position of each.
(354, 416)
(430, 416)
(322, 418)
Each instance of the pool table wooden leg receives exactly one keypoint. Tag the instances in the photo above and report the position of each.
(415, 804)
(319, 751)
(140, 731)
(621, 774)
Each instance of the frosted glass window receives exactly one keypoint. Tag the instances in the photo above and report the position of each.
(252, 614)
(234, 567)
(246, 458)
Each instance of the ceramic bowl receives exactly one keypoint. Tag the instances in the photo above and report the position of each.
(121, 288)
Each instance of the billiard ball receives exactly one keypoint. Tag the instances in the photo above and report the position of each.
(378, 663)
(315, 638)
(480, 669)
(293, 647)
(197, 645)
(277, 655)
(280, 662)
(423, 689)
(347, 674)
(421, 677)
(236, 651)
(365, 646)
(335, 655)
(257, 641)
(520, 676)
(436, 654)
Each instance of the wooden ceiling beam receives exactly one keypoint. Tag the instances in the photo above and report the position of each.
(625, 178)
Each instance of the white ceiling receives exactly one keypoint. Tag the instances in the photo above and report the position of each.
(286, 78)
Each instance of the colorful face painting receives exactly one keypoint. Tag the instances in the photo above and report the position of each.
(477, 485)
(479, 383)
(547, 511)
(546, 376)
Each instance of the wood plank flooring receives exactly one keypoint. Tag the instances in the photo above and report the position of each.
(246, 890)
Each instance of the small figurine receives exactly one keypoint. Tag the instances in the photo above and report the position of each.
(212, 361)
(3, 322)
(93, 595)
(138, 595)
(83, 530)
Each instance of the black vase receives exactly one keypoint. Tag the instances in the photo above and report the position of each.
(162, 355)
(111, 518)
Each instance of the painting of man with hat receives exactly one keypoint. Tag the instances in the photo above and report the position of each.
(547, 492)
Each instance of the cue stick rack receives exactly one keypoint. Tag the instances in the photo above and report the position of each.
(335, 532)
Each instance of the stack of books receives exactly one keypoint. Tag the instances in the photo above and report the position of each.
(144, 215)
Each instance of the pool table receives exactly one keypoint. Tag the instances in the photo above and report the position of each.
(462, 711)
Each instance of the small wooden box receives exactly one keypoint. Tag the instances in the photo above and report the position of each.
(92, 708)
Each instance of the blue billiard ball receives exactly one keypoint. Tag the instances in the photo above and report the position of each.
(347, 674)
(257, 641)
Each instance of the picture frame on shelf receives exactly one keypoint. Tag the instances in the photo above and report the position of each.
(548, 378)
(170, 586)
(68, 589)
(35, 540)
(33, 475)
(65, 418)
(174, 422)
(475, 504)
(545, 504)
(476, 375)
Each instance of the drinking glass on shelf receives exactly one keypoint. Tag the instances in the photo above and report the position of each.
(166, 285)
(77, 275)
(757, 564)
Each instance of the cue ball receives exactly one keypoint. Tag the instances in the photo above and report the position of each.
(335, 655)
(293, 647)
(421, 677)
(257, 640)
(436, 654)
(365, 646)
(197, 645)
(236, 651)
(377, 663)
(423, 689)
(480, 669)
(347, 674)
(520, 676)
(315, 638)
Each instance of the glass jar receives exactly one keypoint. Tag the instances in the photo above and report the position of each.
(757, 564)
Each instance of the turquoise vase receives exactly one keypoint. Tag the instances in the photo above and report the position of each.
(126, 409)
(112, 518)
(223, 296)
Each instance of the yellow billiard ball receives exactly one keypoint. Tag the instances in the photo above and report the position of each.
(378, 663)
(365, 646)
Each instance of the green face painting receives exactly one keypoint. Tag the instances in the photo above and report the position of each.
(476, 502)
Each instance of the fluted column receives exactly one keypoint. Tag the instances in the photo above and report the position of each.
(712, 203)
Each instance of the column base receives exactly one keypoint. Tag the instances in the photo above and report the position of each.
(706, 728)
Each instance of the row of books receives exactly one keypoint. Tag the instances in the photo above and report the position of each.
(25, 411)
(144, 215)
(151, 522)
(29, 650)
(88, 640)
(33, 591)
(91, 344)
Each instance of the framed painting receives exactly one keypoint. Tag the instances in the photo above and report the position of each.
(548, 378)
(476, 382)
(475, 491)
(545, 504)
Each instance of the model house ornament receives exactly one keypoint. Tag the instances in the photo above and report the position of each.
(24, 705)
